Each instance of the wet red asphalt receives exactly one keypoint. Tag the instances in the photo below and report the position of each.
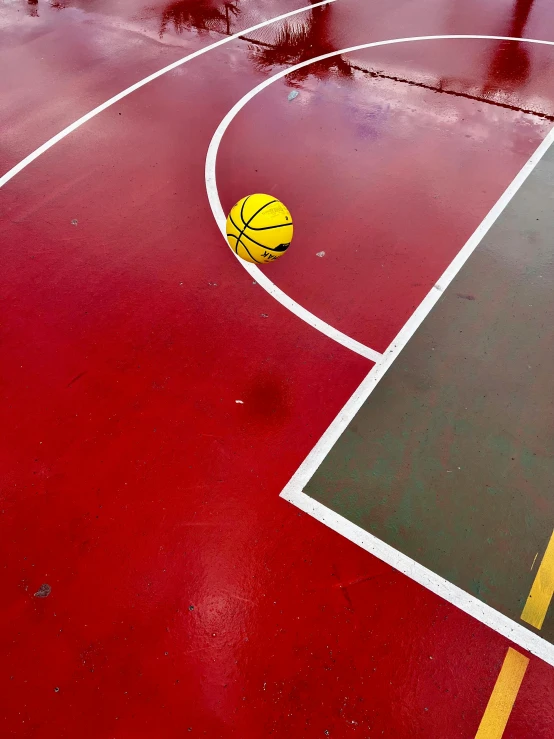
(187, 598)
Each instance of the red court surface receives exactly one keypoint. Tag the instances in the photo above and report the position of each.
(187, 598)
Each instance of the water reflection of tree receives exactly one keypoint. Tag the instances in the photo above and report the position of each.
(509, 68)
(510, 65)
(298, 42)
(199, 15)
(294, 42)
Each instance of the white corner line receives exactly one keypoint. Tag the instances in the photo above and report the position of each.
(322, 448)
(293, 491)
(467, 603)
(264, 281)
(120, 95)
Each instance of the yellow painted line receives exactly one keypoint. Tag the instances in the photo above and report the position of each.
(504, 693)
(541, 593)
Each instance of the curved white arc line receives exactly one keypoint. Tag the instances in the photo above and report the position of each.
(219, 215)
(305, 315)
(293, 491)
(264, 281)
(120, 95)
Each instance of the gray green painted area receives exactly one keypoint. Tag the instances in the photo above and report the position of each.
(451, 458)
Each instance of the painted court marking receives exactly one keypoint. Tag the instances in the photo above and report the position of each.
(259, 277)
(503, 696)
(446, 590)
(293, 491)
(456, 264)
(120, 95)
(542, 590)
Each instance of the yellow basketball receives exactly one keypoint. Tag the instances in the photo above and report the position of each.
(259, 229)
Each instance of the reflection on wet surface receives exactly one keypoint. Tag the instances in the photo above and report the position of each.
(403, 103)
(293, 41)
(387, 177)
(199, 15)
(314, 34)
(502, 75)
(508, 69)
(510, 66)
(299, 41)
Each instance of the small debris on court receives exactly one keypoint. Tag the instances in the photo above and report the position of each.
(465, 297)
(320, 254)
(293, 94)
(74, 222)
(44, 591)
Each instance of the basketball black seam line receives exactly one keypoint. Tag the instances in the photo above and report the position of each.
(244, 247)
(242, 219)
(267, 228)
(234, 236)
(262, 246)
(251, 218)
(241, 231)
(258, 211)
(238, 238)
(242, 207)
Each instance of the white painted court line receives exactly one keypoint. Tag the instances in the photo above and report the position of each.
(120, 95)
(293, 491)
(503, 625)
(263, 280)
(302, 313)
(259, 276)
